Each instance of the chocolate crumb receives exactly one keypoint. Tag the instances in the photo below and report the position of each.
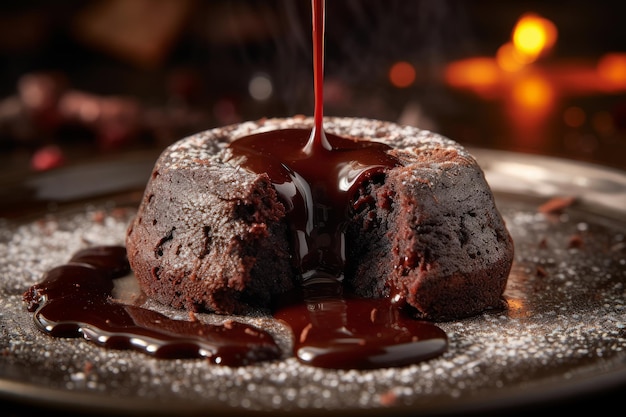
(575, 241)
(388, 398)
(556, 205)
(98, 217)
(305, 332)
(373, 314)
(88, 367)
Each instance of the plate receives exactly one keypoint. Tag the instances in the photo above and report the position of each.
(563, 336)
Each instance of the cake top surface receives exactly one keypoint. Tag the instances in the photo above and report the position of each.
(409, 143)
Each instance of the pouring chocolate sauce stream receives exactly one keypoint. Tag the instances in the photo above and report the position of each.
(317, 175)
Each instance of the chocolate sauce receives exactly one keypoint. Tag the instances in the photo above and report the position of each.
(75, 299)
(317, 176)
(317, 186)
(333, 329)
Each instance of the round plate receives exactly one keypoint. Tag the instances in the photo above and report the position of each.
(563, 335)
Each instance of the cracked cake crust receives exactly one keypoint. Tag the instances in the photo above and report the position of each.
(210, 235)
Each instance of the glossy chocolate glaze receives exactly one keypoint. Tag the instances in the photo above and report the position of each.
(341, 331)
(317, 186)
(75, 299)
(316, 176)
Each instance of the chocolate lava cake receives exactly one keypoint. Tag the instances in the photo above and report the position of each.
(210, 235)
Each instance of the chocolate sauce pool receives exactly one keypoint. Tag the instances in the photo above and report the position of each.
(331, 329)
(317, 176)
(75, 299)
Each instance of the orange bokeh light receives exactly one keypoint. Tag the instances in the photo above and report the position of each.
(530, 101)
(603, 123)
(574, 116)
(612, 68)
(480, 74)
(508, 58)
(402, 74)
(533, 36)
(533, 94)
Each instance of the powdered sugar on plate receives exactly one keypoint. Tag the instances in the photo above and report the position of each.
(566, 323)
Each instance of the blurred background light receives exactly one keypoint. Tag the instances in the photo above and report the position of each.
(116, 76)
(402, 74)
(260, 87)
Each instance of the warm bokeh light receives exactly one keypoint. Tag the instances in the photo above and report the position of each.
(603, 123)
(530, 101)
(479, 74)
(509, 59)
(612, 68)
(574, 116)
(533, 94)
(533, 35)
(402, 74)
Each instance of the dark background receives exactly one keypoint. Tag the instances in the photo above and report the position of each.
(184, 66)
(157, 70)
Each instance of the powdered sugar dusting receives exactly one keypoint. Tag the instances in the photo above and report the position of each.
(211, 147)
(566, 321)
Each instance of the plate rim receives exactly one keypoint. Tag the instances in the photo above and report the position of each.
(505, 399)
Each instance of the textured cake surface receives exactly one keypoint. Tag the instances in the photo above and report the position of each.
(210, 235)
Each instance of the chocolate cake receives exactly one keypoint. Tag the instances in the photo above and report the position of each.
(212, 235)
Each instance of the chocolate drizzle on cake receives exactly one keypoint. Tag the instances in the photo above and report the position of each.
(317, 186)
(317, 177)
(216, 233)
